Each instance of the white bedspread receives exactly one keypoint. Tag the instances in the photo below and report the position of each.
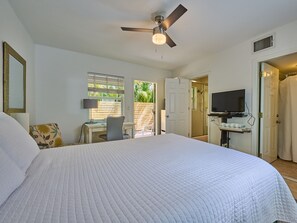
(166, 178)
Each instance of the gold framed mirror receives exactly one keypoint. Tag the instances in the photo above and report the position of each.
(14, 81)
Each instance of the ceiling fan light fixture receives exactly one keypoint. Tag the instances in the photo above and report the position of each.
(159, 37)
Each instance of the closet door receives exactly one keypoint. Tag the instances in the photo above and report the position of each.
(269, 110)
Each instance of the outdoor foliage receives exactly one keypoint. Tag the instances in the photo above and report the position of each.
(104, 95)
(143, 91)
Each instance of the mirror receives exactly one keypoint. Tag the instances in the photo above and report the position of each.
(14, 81)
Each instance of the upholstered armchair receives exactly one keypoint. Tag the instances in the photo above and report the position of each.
(46, 135)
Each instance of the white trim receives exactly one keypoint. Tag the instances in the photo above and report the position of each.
(201, 75)
(103, 74)
(290, 178)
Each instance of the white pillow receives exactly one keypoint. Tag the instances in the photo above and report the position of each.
(11, 176)
(16, 142)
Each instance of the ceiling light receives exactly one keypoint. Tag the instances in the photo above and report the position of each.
(159, 37)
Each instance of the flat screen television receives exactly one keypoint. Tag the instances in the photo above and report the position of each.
(228, 101)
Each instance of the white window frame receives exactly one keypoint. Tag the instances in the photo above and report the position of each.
(98, 78)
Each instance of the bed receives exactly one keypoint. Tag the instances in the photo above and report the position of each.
(166, 178)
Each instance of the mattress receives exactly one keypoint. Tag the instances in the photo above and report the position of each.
(165, 178)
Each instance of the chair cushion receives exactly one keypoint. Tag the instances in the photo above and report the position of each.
(47, 135)
(16, 142)
(11, 176)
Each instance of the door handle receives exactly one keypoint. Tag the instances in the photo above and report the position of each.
(278, 122)
(167, 116)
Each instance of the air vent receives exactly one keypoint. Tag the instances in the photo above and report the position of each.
(263, 43)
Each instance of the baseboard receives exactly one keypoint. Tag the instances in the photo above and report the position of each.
(290, 178)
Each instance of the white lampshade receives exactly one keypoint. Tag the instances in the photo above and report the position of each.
(22, 118)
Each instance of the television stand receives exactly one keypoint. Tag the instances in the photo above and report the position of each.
(219, 114)
(226, 131)
(227, 114)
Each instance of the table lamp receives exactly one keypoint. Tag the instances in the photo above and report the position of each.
(90, 103)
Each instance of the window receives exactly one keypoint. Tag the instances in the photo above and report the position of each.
(109, 90)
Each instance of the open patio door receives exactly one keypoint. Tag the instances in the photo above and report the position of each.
(177, 97)
(144, 108)
(269, 112)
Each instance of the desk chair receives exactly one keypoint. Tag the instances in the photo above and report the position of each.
(114, 129)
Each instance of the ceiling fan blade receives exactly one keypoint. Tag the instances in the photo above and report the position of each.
(169, 41)
(173, 17)
(137, 29)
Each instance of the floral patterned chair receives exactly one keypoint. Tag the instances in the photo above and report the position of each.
(46, 135)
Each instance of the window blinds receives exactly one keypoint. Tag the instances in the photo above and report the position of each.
(103, 83)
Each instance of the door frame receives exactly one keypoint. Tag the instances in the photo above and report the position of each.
(156, 103)
(272, 156)
(256, 63)
(194, 78)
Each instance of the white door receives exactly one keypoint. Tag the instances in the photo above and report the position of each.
(269, 110)
(177, 106)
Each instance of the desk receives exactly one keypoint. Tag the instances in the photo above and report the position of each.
(101, 127)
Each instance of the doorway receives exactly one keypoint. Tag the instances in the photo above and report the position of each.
(199, 106)
(278, 109)
(278, 125)
(144, 108)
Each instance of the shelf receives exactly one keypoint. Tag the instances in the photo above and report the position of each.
(219, 114)
(225, 133)
(240, 130)
(228, 114)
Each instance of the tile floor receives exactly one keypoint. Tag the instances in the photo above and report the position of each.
(289, 171)
(203, 138)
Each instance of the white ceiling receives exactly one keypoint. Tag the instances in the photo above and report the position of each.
(93, 26)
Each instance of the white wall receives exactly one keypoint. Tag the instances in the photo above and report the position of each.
(237, 68)
(14, 33)
(61, 84)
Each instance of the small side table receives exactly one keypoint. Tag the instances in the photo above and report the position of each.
(226, 131)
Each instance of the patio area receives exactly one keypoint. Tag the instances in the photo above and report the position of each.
(144, 119)
(140, 134)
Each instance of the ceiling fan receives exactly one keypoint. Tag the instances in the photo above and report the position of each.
(160, 37)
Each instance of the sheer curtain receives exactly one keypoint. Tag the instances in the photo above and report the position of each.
(287, 140)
